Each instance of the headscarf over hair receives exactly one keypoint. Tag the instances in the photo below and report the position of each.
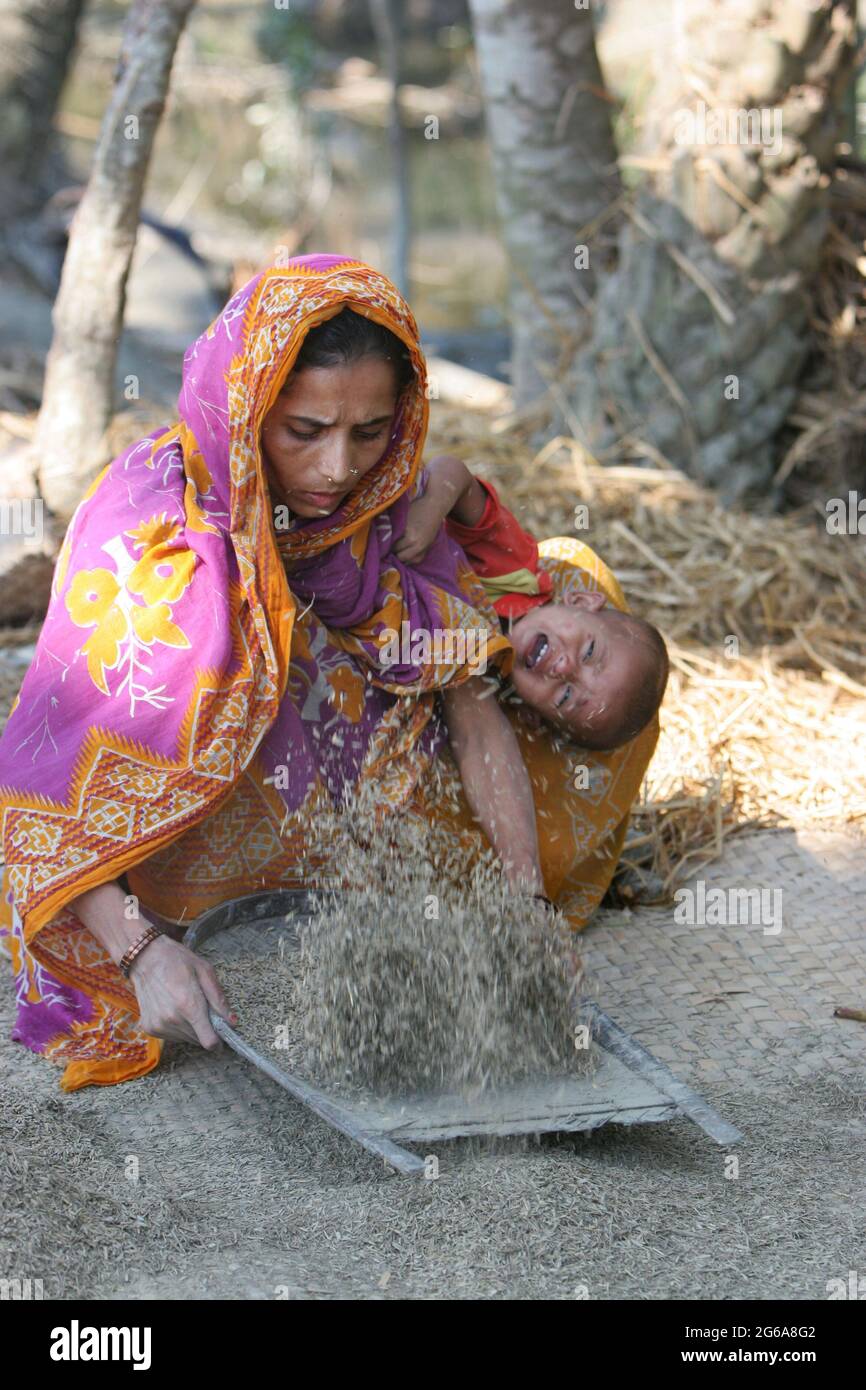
(163, 662)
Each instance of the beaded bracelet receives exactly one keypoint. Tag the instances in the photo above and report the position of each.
(136, 949)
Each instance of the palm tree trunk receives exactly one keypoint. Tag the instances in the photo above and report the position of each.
(701, 332)
(549, 120)
(77, 403)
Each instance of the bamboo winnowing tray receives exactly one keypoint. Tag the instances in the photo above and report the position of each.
(628, 1086)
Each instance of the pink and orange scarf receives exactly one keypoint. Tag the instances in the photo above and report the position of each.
(184, 639)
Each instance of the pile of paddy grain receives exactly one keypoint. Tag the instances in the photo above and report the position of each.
(425, 972)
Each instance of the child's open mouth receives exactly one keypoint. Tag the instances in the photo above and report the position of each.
(537, 652)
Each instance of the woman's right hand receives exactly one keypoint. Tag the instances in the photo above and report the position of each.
(174, 987)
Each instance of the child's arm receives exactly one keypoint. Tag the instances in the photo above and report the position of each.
(451, 491)
(495, 779)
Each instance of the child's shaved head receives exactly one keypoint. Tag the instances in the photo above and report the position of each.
(650, 668)
(589, 669)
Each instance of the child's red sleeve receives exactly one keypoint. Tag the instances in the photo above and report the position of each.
(498, 545)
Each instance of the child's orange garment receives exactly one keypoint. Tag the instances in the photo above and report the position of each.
(505, 558)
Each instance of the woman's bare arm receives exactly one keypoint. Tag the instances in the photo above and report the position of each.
(102, 912)
(495, 779)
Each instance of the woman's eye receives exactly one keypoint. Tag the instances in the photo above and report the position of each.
(587, 656)
(373, 434)
(299, 434)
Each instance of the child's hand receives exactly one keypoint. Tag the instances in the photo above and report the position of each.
(423, 521)
(451, 491)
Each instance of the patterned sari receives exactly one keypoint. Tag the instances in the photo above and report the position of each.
(204, 684)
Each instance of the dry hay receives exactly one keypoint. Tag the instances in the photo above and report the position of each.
(765, 619)
(422, 973)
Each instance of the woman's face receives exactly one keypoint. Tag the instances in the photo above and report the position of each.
(327, 428)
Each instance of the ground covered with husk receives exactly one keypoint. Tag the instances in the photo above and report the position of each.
(285, 1208)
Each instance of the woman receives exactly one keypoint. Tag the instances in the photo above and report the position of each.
(185, 714)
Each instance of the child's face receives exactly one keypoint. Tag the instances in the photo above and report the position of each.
(327, 428)
(576, 663)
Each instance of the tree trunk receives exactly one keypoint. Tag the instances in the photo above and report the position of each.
(77, 402)
(388, 23)
(37, 39)
(554, 158)
(702, 330)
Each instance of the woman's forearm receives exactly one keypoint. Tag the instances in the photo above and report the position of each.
(174, 987)
(102, 910)
(495, 779)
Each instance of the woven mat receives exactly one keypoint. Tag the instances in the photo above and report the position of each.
(734, 1005)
